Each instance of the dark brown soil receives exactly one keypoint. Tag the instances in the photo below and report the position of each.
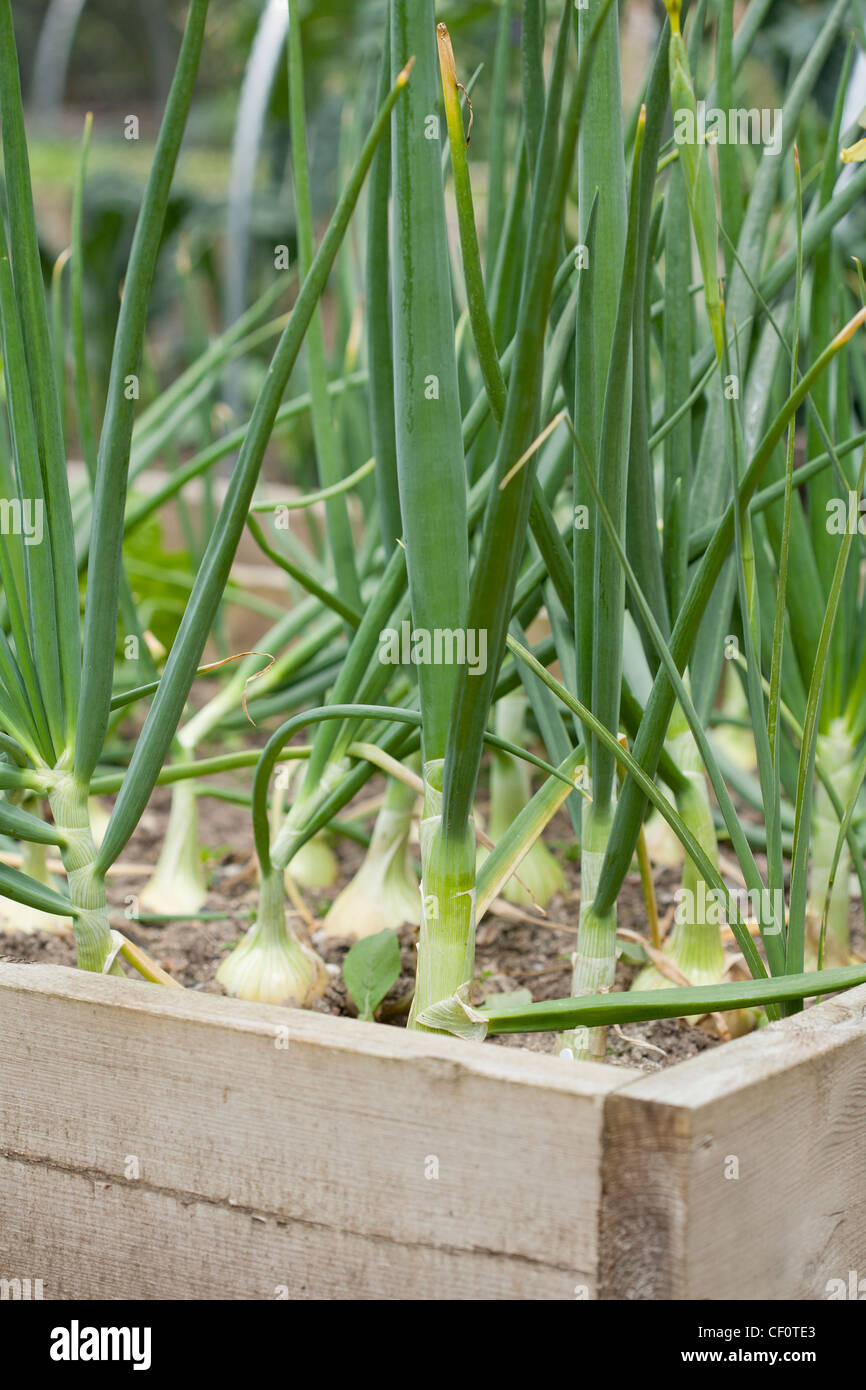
(510, 955)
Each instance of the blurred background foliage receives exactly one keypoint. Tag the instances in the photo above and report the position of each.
(114, 58)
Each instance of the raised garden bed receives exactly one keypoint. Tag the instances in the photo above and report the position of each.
(563, 438)
(161, 1144)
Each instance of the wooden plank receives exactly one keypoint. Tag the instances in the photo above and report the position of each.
(95, 1238)
(742, 1172)
(464, 1162)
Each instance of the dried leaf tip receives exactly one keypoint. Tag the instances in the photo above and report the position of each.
(403, 77)
(448, 67)
(446, 53)
(850, 329)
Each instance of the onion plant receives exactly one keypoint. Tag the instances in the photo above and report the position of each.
(57, 678)
(498, 483)
(425, 401)
(384, 893)
(540, 876)
(744, 297)
(583, 412)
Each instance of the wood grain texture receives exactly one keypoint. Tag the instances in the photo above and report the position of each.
(160, 1143)
(96, 1238)
(785, 1109)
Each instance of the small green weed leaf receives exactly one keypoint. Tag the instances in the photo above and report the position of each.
(370, 969)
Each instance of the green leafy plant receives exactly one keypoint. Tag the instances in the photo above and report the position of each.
(56, 679)
(495, 472)
(370, 969)
(557, 497)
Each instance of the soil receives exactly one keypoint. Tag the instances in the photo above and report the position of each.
(510, 954)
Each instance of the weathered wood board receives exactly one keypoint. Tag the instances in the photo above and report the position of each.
(158, 1143)
(167, 1144)
(742, 1172)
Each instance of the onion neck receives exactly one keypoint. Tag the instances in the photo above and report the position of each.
(68, 801)
(595, 959)
(446, 941)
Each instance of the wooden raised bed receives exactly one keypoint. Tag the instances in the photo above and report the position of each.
(163, 1144)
